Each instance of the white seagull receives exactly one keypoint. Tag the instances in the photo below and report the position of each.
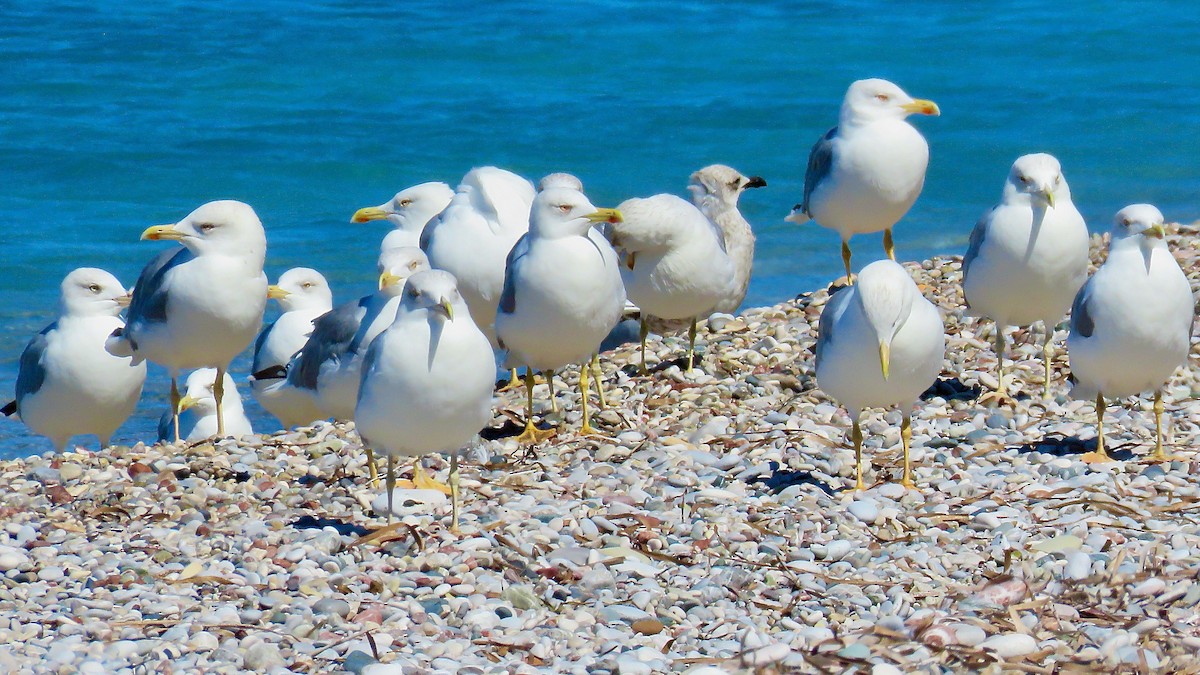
(880, 343)
(67, 382)
(304, 295)
(409, 212)
(472, 237)
(865, 173)
(201, 305)
(715, 191)
(1131, 324)
(198, 410)
(1027, 257)
(675, 264)
(562, 293)
(427, 380)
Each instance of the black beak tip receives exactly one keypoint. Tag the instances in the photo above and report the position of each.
(756, 182)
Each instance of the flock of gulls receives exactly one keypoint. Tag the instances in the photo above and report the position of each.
(500, 272)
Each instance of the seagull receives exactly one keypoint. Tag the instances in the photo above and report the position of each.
(1027, 257)
(715, 191)
(409, 212)
(197, 410)
(562, 294)
(201, 305)
(675, 264)
(865, 173)
(474, 234)
(880, 343)
(304, 295)
(426, 381)
(1131, 324)
(67, 382)
(330, 362)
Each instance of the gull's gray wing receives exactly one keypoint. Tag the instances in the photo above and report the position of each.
(332, 334)
(978, 235)
(32, 373)
(834, 309)
(508, 297)
(1081, 316)
(820, 163)
(149, 302)
(258, 345)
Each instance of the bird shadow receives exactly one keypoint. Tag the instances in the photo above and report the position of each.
(1069, 446)
(343, 528)
(781, 479)
(952, 389)
(635, 370)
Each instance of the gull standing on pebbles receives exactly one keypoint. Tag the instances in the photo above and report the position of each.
(474, 234)
(409, 212)
(562, 294)
(880, 343)
(715, 191)
(201, 305)
(865, 173)
(67, 382)
(675, 263)
(304, 295)
(198, 410)
(426, 381)
(1027, 257)
(1131, 324)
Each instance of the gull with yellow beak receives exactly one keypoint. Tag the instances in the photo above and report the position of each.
(1131, 324)
(864, 174)
(201, 305)
(303, 295)
(562, 294)
(67, 382)
(880, 343)
(408, 212)
(198, 409)
(1027, 258)
(426, 381)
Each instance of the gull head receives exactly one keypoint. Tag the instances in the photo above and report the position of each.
(1037, 177)
(396, 265)
(301, 288)
(434, 292)
(560, 180)
(875, 99)
(1141, 224)
(720, 184)
(886, 292)
(411, 209)
(199, 396)
(226, 226)
(563, 212)
(92, 291)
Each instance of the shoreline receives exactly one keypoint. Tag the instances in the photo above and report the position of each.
(714, 530)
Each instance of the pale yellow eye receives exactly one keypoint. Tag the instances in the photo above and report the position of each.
(95, 288)
(413, 265)
(405, 202)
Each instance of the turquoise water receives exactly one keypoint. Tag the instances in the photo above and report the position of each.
(115, 116)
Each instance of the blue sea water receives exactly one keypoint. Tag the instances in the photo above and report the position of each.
(115, 116)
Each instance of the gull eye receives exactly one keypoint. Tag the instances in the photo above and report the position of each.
(405, 202)
(307, 284)
(414, 264)
(565, 208)
(883, 97)
(95, 288)
(206, 227)
(1125, 222)
(1058, 179)
(1024, 180)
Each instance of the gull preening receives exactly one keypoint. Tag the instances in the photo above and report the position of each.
(1131, 324)
(1027, 257)
(197, 410)
(67, 381)
(715, 191)
(426, 381)
(562, 293)
(303, 295)
(880, 344)
(409, 211)
(864, 174)
(201, 305)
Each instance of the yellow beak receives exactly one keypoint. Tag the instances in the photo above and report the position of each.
(885, 357)
(276, 292)
(447, 309)
(1156, 231)
(124, 300)
(160, 232)
(368, 214)
(921, 106)
(388, 279)
(187, 402)
(1049, 197)
(606, 216)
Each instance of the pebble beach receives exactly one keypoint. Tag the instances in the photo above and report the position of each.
(715, 530)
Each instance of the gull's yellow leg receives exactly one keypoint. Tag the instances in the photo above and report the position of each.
(424, 481)
(514, 381)
(643, 331)
(549, 375)
(1047, 356)
(454, 493)
(175, 405)
(218, 394)
(586, 429)
(598, 380)
(889, 246)
(906, 443)
(372, 470)
(1001, 390)
(1159, 454)
(390, 484)
(846, 261)
(531, 434)
(691, 344)
(857, 437)
(1099, 455)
